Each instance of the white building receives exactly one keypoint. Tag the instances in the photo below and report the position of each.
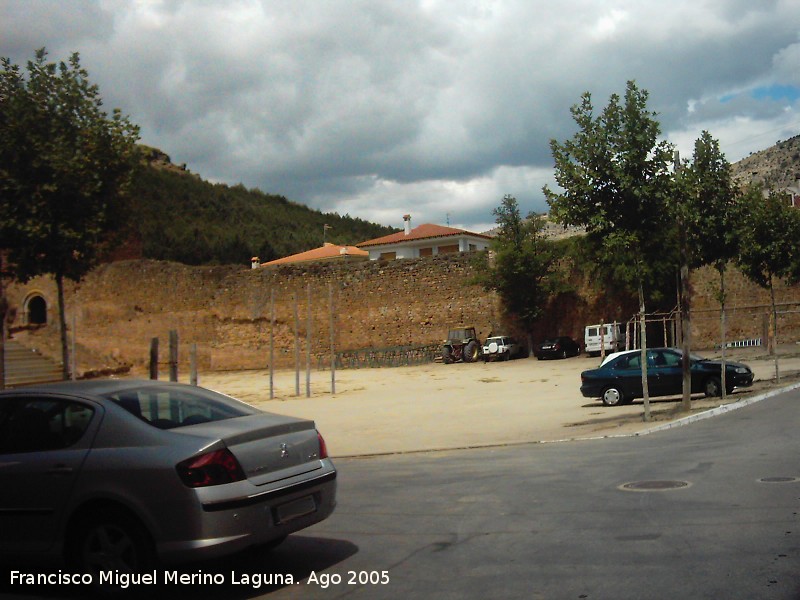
(425, 240)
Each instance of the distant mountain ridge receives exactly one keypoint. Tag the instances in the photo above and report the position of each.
(777, 167)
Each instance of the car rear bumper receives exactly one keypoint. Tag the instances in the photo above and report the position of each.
(591, 391)
(226, 527)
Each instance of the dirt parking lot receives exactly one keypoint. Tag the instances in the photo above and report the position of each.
(436, 406)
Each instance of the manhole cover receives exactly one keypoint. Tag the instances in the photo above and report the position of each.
(778, 479)
(654, 486)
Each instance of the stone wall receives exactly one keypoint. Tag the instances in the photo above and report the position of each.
(747, 309)
(226, 310)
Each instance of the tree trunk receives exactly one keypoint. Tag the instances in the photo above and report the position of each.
(3, 311)
(62, 323)
(722, 327)
(686, 332)
(774, 343)
(645, 390)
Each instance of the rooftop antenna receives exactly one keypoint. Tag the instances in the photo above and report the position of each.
(447, 217)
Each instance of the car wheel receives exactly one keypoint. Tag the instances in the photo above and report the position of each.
(109, 540)
(612, 396)
(712, 387)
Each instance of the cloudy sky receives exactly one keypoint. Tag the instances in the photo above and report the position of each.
(437, 108)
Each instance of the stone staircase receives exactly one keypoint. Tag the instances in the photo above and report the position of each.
(24, 366)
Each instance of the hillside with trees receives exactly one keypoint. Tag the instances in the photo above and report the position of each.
(177, 216)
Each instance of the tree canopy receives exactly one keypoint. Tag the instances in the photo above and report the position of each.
(615, 182)
(64, 166)
(524, 269)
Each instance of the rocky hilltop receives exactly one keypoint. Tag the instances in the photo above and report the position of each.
(777, 167)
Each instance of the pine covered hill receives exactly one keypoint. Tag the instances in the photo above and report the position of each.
(777, 167)
(177, 216)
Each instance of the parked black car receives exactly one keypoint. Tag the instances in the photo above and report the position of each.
(618, 380)
(557, 347)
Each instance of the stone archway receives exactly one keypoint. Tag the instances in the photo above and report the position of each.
(35, 310)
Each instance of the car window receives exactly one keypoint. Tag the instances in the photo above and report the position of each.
(628, 361)
(167, 408)
(37, 424)
(672, 359)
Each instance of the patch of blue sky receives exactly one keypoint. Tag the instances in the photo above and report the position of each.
(767, 92)
(776, 92)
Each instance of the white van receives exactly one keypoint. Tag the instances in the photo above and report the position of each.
(611, 334)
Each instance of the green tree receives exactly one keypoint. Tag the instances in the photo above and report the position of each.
(768, 249)
(523, 272)
(64, 166)
(708, 212)
(615, 182)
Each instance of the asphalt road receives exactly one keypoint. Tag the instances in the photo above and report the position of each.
(550, 521)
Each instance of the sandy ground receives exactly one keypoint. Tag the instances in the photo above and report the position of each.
(436, 406)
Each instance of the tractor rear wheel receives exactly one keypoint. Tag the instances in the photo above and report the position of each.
(447, 355)
(471, 351)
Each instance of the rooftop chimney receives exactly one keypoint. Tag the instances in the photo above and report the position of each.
(407, 219)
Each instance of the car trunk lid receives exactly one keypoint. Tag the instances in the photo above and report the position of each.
(268, 447)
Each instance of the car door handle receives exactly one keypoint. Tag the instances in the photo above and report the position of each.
(60, 470)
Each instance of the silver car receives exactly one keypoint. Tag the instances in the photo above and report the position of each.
(128, 474)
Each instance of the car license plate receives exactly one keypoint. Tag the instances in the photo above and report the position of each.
(295, 509)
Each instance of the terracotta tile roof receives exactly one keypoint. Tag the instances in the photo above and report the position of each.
(327, 252)
(426, 230)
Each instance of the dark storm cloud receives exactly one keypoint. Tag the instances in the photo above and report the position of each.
(380, 108)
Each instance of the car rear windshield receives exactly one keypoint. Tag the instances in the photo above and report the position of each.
(170, 407)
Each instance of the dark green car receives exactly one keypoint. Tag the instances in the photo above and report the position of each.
(618, 380)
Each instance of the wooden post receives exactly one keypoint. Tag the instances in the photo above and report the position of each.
(333, 340)
(296, 349)
(193, 364)
(272, 344)
(154, 358)
(308, 345)
(74, 354)
(602, 340)
(173, 355)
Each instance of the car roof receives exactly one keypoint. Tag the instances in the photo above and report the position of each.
(613, 355)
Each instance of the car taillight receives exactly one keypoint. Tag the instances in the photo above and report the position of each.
(212, 468)
(323, 448)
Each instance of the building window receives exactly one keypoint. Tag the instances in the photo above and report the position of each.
(473, 247)
(388, 256)
(448, 249)
(426, 252)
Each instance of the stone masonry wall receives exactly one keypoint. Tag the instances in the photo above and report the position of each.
(226, 311)
(120, 306)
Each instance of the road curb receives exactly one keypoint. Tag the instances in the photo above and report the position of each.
(719, 410)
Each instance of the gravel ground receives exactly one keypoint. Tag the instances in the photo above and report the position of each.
(438, 407)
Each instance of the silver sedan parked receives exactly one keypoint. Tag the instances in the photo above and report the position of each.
(128, 474)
